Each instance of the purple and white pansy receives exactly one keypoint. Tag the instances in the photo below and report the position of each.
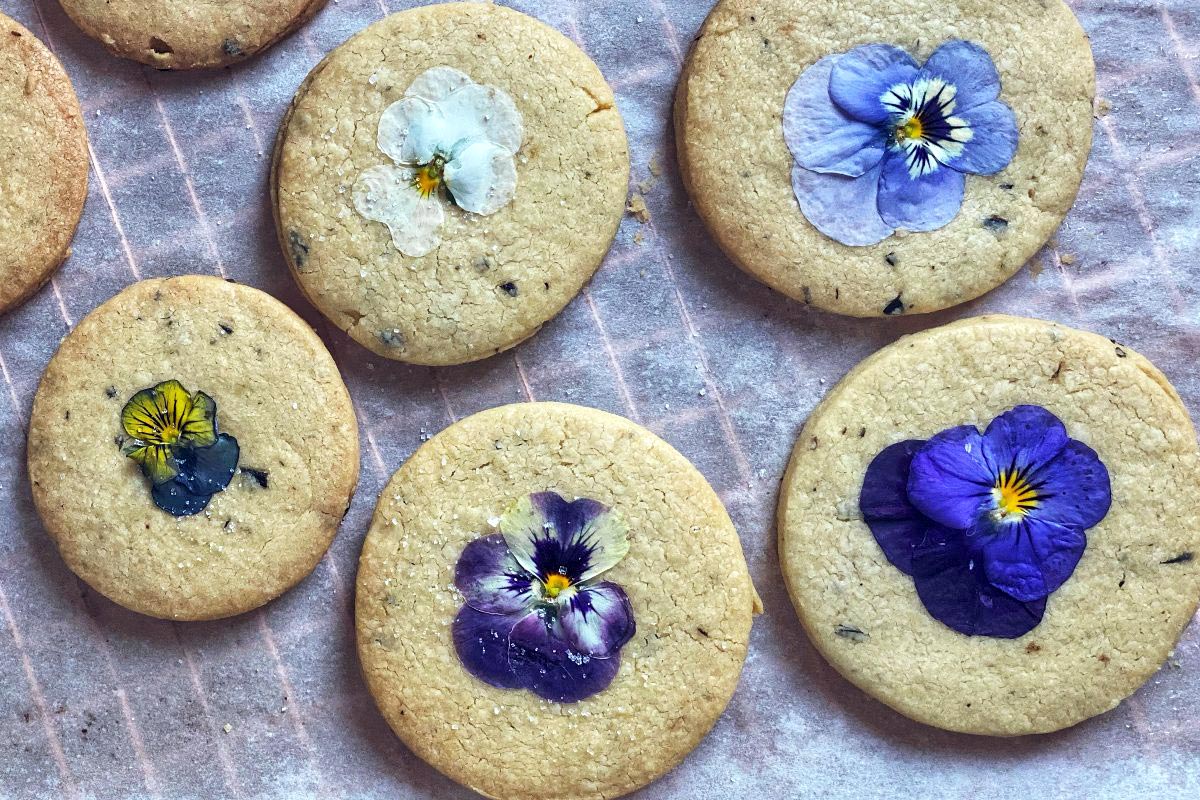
(881, 143)
(989, 524)
(537, 617)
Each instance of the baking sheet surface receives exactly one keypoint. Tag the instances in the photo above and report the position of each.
(96, 701)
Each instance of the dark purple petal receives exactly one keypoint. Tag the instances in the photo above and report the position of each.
(967, 67)
(844, 209)
(949, 481)
(548, 667)
(596, 620)
(1023, 439)
(174, 498)
(924, 203)
(954, 590)
(1028, 559)
(1073, 489)
(860, 79)
(482, 642)
(208, 470)
(993, 141)
(590, 538)
(821, 136)
(885, 507)
(490, 578)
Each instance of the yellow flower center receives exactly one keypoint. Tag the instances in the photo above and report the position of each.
(1014, 496)
(429, 177)
(911, 129)
(555, 584)
(169, 434)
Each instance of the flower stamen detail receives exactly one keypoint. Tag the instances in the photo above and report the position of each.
(555, 584)
(428, 178)
(1014, 496)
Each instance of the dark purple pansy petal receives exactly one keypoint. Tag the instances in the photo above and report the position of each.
(821, 136)
(490, 578)
(967, 67)
(844, 209)
(924, 203)
(596, 620)
(993, 141)
(482, 641)
(860, 79)
(208, 470)
(1074, 489)
(174, 498)
(588, 539)
(1023, 438)
(885, 507)
(1028, 559)
(548, 667)
(954, 590)
(949, 481)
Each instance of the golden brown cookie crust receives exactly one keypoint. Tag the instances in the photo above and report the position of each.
(189, 34)
(685, 575)
(728, 122)
(1109, 627)
(277, 391)
(43, 147)
(495, 280)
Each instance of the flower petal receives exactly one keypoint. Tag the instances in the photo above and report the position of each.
(548, 667)
(862, 77)
(949, 479)
(482, 177)
(175, 499)
(597, 620)
(434, 84)
(895, 523)
(208, 470)
(967, 67)
(925, 203)
(954, 590)
(199, 426)
(1028, 559)
(993, 141)
(842, 208)
(481, 641)
(157, 460)
(1023, 438)
(385, 194)
(1074, 489)
(549, 535)
(477, 111)
(490, 578)
(412, 130)
(822, 137)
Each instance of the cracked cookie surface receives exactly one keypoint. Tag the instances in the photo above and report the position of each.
(685, 576)
(276, 390)
(494, 280)
(1105, 631)
(728, 121)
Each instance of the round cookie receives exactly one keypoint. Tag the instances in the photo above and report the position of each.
(1103, 632)
(286, 437)
(684, 574)
(43, 147)
(425, 281)
(183, 34)
(730, 122)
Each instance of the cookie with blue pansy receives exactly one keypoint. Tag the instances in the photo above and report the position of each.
(876, 161)
(550, 595)
(991, 526)
(192, 448)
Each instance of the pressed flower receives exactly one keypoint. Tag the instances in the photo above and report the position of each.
(536, 617)
(988, 524)
(449, 137)
(882, 144)
(172, 434)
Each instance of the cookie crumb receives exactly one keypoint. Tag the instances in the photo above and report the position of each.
(637, 208)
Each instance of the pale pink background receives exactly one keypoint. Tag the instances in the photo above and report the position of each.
(96, 701)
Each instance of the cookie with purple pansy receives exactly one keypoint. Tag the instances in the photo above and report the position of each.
(990, 526)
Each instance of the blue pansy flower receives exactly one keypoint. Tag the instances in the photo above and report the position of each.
(987, 524)
(881, 143)
(536, 617)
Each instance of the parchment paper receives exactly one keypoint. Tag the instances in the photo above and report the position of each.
(96, 701)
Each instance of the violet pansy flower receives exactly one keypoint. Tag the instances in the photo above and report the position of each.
(536, 616)
(882, 144)
(988, 524)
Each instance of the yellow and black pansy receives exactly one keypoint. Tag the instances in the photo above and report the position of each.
(173, 436)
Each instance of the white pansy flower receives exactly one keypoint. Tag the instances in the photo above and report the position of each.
(452, 139)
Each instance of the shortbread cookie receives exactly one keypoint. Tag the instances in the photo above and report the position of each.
(192, 448)
(43, 147)
(875, 160)
(185, 34)
(551, 596)
(992, 527)
(448, 179)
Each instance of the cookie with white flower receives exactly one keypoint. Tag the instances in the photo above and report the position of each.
(991, 526)
(192, 448)
(550, 595)
(885, 169)
(441, 203)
